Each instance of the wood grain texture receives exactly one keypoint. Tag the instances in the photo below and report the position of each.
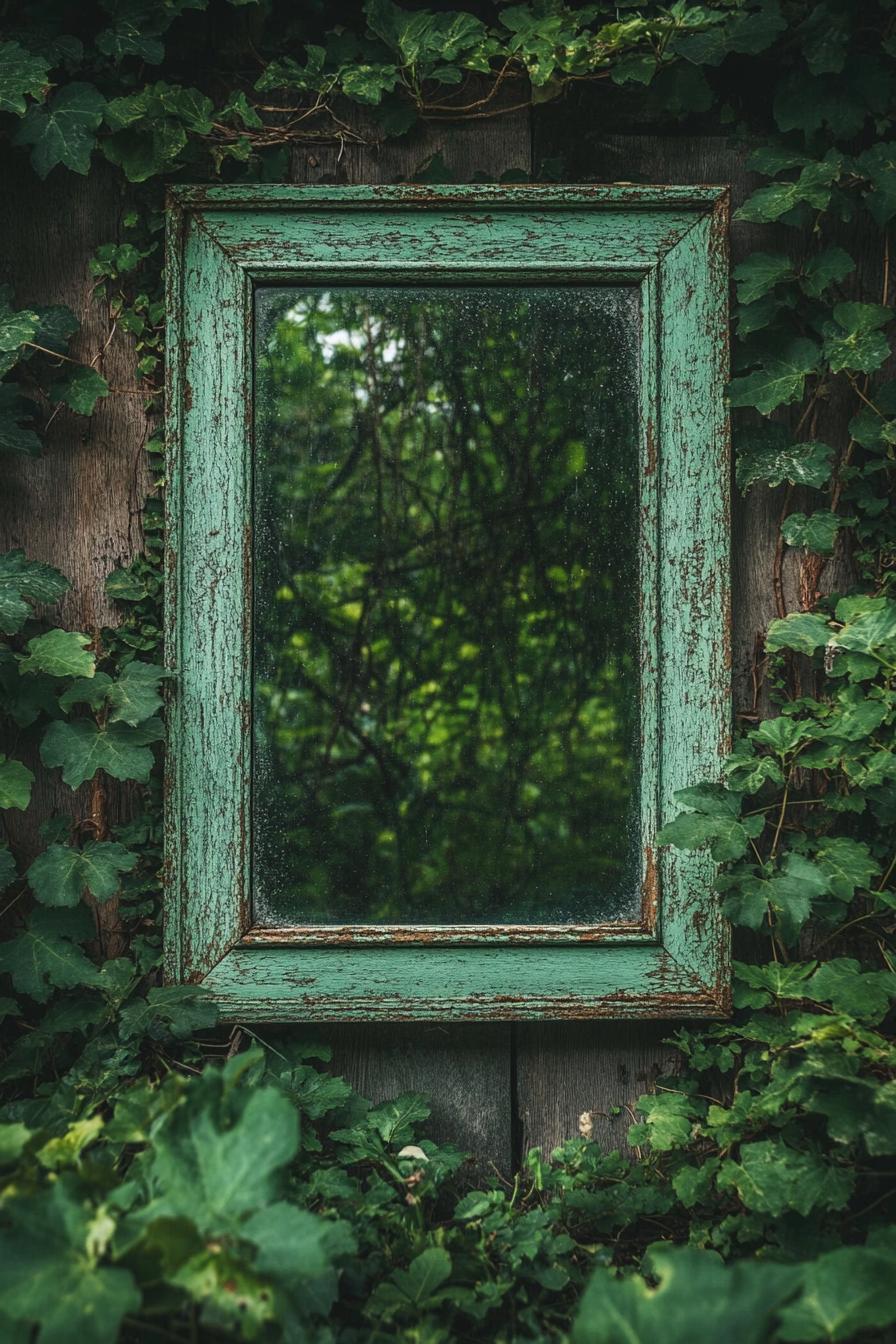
(585, 1077)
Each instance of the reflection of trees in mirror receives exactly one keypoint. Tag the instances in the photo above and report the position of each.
(446, 605)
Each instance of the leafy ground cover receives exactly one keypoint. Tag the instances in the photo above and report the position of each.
(165, 1181)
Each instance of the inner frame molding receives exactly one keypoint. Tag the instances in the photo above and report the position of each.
(671, 242)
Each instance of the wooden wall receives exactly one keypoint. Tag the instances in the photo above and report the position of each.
(495, 1089)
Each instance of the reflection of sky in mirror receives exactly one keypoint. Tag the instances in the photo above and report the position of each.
(445, 585)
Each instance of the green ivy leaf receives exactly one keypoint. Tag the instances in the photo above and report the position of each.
(669, 1120)
(802, 631)
(168, 1011)
(63, 131)
(817, 532)
(81, 389)
(869, 627)
(16, 327)
(23, 581)
(768, 456)
(394, 1121)
(746, 772)
(59, 653)
(213, 1166)
(62, 873)
(826, 268)
(737, 1302)
(21, 74)
(759, 274)
(83, 747)
(780, 382)
(848, 863)
(134, 697)
(46, 953)
(774, 1179)
(49, 1274)
(844, 1293)
(57, 326)
(90, 691)
(15, 784)
(857, 341)
(122, 585)
(843, 984)
(774, 981)
(714, 820)
(813, 187)
(878, 165)
(415, 1287)
(792, 892)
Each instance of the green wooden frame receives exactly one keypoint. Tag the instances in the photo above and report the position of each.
(222, 241)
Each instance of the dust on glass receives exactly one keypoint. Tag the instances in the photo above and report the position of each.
(445, 605)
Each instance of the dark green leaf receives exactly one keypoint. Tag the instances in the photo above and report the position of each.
(15, 784)
(83, 747)
(46, 953)
(21, 74)
(62, 873)
(49, 1274)
(81, 389)
(63, 131)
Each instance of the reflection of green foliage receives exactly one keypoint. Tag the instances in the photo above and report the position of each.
(446, 565)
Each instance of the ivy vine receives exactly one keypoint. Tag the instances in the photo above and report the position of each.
(162, 1183)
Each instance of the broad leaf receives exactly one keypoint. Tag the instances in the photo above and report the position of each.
(64, 130)
(59, 653)
(46, 953)
(766, 454)
(736, 1302)
(21, 74)
(81, 389)
(134, 697)
(62, 873)
(771, 1178)
(802, 631)
(826, 268)
(844, 1293)
(84, 747)
(168, 1011)
(760, 273)
(23, 581)
(779, 382)
(49, 1274)
(15, 784)
(817, 532)
(214, 1171)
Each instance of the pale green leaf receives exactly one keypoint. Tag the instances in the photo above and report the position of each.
(59, 653)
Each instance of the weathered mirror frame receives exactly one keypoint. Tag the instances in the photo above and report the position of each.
(222, 241)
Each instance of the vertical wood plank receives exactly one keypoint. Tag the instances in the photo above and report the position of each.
(466, 1071)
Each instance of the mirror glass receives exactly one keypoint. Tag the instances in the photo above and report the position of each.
(445, 678)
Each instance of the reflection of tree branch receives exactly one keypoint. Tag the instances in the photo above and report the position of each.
(340, 711)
